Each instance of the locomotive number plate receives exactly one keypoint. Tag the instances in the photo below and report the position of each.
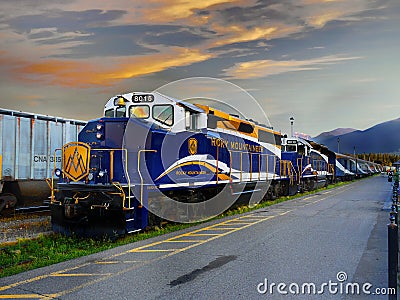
(142, 98)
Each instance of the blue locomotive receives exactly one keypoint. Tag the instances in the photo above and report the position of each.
(153, 157)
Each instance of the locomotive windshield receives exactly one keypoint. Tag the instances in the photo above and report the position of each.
(120, 112)
(164, 114)
(109, 113)
(140, 111)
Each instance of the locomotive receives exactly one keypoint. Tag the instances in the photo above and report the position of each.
(152, 157)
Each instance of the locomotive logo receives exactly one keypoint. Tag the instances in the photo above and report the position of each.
(192, 145)
(76, 157)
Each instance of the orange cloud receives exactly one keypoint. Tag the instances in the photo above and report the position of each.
(169, 11)
(319, 21)
(264, 68)
(84, 74)
(138, 66)
(237, 34)
(240, 34)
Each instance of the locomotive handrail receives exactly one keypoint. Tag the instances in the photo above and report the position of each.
(52, 200)
(287, 167)
(216, 164)
(128, 179)
(299, 168)
(331, 167)
(111, 151)
(251, 166)
(230, 164)
(260, 155)
(140, 175)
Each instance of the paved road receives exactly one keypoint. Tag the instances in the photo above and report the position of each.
(308, 240)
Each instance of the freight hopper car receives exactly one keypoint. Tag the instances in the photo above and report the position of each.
(150, 153)
(27, 144)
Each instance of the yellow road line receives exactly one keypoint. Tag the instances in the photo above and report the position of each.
(240, 223)
(224, 228)
(115, 262)
(252, 216)
(28, 296)
(6, 287)
(182, 241)
(202, 234)
(79, 274)
(153, 250)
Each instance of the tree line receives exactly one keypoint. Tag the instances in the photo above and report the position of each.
(386, 159)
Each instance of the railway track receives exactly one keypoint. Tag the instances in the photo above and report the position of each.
(24, 226)
(32, 209)
(24, 222)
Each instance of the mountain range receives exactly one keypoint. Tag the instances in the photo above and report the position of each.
(381, 138)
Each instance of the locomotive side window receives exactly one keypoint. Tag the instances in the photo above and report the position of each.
(109, 113)
(191, 120)
(278, 140)
(212, 121)
(120, 112)
(246, 128)
(301, 149)
(164, 114)
(140, 111)
(291, 148)
(266, 137)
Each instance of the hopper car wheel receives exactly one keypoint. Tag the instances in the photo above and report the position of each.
(7, 200)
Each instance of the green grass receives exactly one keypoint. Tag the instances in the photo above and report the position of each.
(27, 254)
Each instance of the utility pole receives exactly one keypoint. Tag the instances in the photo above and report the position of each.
(291, 126)
(338, 141)
(355, 157)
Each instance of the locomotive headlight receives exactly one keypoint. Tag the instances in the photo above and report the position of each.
(102, 173)
(99, 126)
(90, 176)
(57, 172)
(99, 135)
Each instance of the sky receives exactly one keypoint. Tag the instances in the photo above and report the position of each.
(327, 63)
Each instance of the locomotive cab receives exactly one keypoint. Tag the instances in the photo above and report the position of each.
(158, 109)
(310, 167)
(299, 146)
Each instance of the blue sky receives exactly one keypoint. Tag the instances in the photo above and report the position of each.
(327, 63)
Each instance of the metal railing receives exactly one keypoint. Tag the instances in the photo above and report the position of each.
(259, 157)
(111, 166)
